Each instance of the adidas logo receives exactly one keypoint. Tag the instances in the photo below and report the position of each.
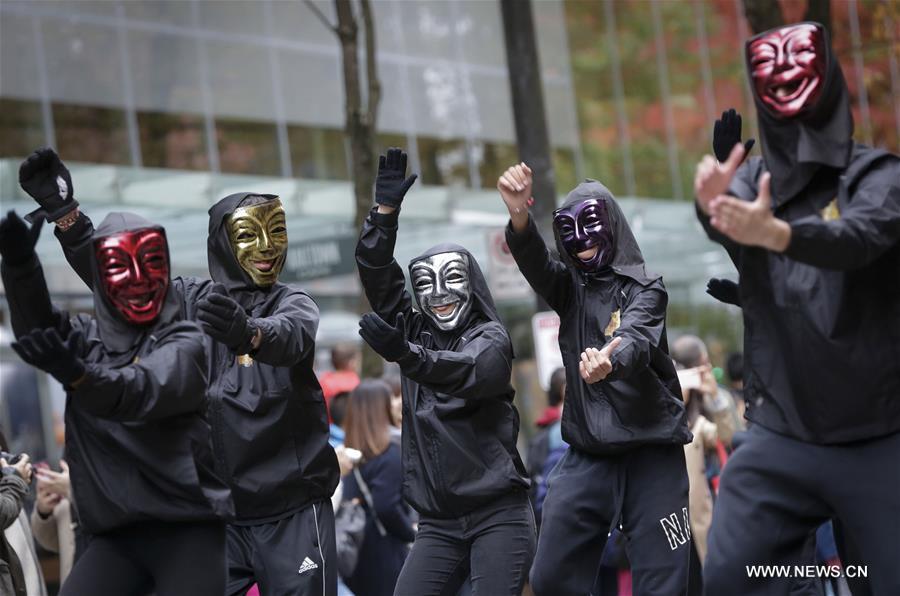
(307, 565)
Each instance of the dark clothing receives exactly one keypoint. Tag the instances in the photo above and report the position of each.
(493, 546)
(270, 429)
(459, 423)
(822, 320)
(639, 402)
(292, 556)
(381, 557)
(137, 440)
(644, 489)
(13, 491)
(776, 490)
(168, 559)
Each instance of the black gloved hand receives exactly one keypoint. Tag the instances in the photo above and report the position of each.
(724, 290)
(390, 342)
(47, 180)
(727, 134)
(46, 350)
(17, 240)
(391, 183)
(223, 319)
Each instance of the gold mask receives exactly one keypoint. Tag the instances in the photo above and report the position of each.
(258, 235)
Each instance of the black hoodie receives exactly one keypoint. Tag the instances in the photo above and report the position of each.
(639, 402)
(137, 440)
(270, 428)
(459, 423)
(822, 319)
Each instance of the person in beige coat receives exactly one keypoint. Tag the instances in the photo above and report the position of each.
(51, 521)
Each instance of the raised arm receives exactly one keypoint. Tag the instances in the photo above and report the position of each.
(47, 180)
(23, 277)
(546, 275)
(480, 368)
(381, 276)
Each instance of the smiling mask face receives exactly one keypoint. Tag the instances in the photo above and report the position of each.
(258, 235)
(586, 233)
(134, 272)
(787, 68)
(442, 288)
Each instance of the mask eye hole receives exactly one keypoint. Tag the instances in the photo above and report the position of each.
(245, 236)
(278, 229)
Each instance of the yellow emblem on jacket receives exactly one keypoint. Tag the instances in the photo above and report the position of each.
(614, 320)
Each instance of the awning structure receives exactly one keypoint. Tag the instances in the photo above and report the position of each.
(321, 212)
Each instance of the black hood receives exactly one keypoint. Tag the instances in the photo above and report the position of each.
(223, 265)
(627, 258)
(483, 307)
(117, 334)
(795, 149)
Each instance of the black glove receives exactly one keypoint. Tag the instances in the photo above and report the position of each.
(727, 134)
(389, 342)
(391, 184)
(17, 240)
(47, 180)
(724, 290)
(46, 350)
(225, 321)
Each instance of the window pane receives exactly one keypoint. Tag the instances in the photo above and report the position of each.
(20, 127)
(248, 147)
(173, 141)
(318, 153)
(96, 135)
(385, 141)
(443, 161)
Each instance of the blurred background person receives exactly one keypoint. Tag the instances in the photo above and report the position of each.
(394, 382)
(345, 358)
(21, 573)
(53, 520)
(389, 525)
(547, 445)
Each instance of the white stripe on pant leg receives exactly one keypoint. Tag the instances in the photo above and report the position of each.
(319, 542)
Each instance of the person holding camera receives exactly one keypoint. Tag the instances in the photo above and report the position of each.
(20, 571)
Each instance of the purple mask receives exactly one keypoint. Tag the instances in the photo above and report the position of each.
(586, 233)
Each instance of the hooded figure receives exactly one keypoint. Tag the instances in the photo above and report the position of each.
(624, 425)
(137, 440)
(460, 426)
(270, 430)
(821, 324)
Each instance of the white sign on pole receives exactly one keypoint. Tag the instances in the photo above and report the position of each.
(545, 328)
(506, 280)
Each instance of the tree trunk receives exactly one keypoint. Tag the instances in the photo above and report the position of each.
(360, 126)
(763, 14)
(530, 119)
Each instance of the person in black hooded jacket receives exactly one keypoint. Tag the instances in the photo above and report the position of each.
(137, 440)
(813, 228)
(270, 429)
(624, 418)
(461, 468)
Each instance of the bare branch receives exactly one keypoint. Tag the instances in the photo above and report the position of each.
(321, 16)
(374, 85)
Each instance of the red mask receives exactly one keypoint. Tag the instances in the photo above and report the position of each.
(787, 67)
(134, 272)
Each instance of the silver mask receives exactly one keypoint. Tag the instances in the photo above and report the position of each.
(442, 288)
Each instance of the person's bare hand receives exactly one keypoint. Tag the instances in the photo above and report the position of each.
(708, 384)
(751, 223)
(344, 462)
(595, 364)
(515, 190)
(47, 500)
(56, 482)
(712, 178)
(22, 467)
